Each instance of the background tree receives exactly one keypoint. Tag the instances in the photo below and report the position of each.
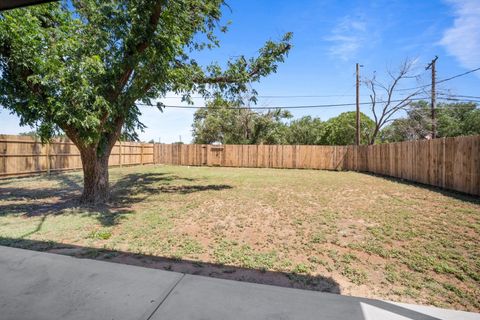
(416, 125)
(34, 134)
(218, 122)
(384, 105)
(31, 133)
(341, 130)
(306, 130)
(458, 119)
(453, 119)
(82, 66)
(269, 127)
(230, 123)
(222, 122)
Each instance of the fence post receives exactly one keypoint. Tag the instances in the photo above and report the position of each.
(141, 153)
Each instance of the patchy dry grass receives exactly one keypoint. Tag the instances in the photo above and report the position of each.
(335, 231)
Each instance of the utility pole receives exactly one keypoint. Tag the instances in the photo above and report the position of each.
(357, 132)
(431, 66)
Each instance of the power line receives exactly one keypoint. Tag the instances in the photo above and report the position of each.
(288, 107)
(458, 96)
(344, 94)
(279, 96)
(340, 104)
(337, 95)
(441, 81)
(415, 88)
(462, 100)
(264, 108)
(459, 75)
(443, 106)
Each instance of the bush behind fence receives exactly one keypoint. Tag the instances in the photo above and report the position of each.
(450, 163)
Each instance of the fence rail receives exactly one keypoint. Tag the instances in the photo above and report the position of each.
(450, 163)
(27, 155)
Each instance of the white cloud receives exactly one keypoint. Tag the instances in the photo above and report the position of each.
(462, 40)
(347, 37)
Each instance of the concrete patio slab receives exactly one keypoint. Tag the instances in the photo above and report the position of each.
(35, 285)
(228, 300)
(199, 298)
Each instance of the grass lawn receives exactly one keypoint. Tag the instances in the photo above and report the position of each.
(344, 232)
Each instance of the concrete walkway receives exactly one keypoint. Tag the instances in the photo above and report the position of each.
(36, 285)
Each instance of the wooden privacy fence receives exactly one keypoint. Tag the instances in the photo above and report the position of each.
(450, 163)
(258, 156)
(26, 155)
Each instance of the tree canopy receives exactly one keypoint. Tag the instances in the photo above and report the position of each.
(341, 130)
(306, 130)
(229, 123)
(453, 119)
(83, 66)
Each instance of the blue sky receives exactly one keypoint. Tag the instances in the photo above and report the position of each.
(329, 38)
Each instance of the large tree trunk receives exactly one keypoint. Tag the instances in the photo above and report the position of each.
(95, 176)
(95, 162)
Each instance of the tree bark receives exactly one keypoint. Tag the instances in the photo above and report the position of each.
(376, 131)
(374, 135)
(95, 176)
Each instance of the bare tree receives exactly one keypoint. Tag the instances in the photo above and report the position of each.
(382, 96)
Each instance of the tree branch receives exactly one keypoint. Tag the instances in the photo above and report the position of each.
(226, 79)
(138, 49)
(388, 109)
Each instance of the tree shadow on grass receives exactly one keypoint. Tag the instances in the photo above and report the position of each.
(125, 192)
(136, 187)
